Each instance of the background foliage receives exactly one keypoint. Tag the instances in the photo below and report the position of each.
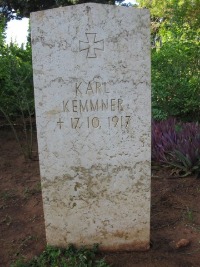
(16, 82)
(175, 28)
(16, 94)
(16, 89)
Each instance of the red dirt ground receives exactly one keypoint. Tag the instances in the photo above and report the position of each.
(175, 214)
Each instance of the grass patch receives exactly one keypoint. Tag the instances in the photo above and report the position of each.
(7, 195)
(70, 257)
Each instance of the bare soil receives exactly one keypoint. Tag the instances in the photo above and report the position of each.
(175, 214)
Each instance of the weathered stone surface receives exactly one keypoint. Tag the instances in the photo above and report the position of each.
(92, 93)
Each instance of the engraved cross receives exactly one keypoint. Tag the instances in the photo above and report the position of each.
(60, 122)
(91, 45)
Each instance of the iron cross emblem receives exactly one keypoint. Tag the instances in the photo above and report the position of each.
(91, 45)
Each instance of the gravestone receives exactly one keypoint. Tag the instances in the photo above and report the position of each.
(91, 66)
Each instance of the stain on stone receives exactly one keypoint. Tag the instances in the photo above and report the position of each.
(77, 186)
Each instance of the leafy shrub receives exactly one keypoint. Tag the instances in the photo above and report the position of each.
(177, 144)
(16, 93)
(16, 82)
(70, 257)
(175, 73)
(176, 80)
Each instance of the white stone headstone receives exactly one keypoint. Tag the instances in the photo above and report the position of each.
(91, 67)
